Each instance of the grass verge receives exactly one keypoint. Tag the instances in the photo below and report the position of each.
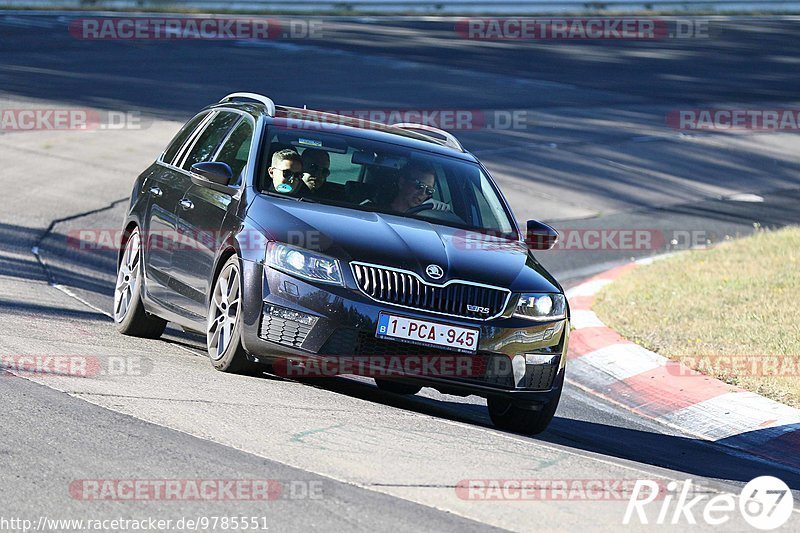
(732, 311)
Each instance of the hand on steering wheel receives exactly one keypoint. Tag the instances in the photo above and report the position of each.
(420, 207)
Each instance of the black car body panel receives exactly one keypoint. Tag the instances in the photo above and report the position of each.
(191, 226)
(405, 243)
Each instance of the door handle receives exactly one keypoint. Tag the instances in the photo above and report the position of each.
(186, 204)
(155, 191)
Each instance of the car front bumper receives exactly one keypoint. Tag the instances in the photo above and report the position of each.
(289, 319)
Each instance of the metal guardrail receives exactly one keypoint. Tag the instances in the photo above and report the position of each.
(427, 6)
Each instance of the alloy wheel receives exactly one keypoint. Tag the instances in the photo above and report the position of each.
(127, 278)
(224, 311)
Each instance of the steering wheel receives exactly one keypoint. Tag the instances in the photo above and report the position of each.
(419, 208)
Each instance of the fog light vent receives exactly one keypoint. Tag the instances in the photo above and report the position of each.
(540, 370)
(285, 326)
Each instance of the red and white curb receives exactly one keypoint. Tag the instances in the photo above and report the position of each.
(606, 364)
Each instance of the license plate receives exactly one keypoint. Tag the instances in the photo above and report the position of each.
(427, 333)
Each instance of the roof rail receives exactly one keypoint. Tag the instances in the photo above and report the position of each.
(270, 105)
(448, 138)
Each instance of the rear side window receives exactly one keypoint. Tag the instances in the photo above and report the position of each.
(209, 140)
(176, 144)
(236, 150)
(341, 168)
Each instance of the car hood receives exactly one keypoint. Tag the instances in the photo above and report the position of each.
(400, 242)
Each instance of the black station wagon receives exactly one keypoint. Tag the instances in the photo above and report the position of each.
(310, 244)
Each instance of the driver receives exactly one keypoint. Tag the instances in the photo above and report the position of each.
(316, 169)
(286, 172)
(416, 186)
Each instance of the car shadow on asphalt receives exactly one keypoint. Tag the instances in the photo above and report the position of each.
(70, 261)
(694, 457)
(13, 307)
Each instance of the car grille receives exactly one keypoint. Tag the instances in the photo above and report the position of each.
(408, 290)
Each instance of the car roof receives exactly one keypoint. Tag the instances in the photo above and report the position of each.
(309, 119)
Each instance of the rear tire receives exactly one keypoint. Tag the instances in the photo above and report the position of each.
(505, 415)
(129, 313)
(397, 387)
(224, 324)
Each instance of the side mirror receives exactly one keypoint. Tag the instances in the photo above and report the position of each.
(215, 172)
(540, 236)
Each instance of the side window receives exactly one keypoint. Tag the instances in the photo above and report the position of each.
(181, 137)
(236, 150)
(342, 168)
(207, 143)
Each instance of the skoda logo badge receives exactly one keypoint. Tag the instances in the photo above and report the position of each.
(434, 271)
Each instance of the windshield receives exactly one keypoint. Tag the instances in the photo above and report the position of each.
(375, 176)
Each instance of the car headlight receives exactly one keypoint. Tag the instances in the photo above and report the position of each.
(304, 263)
(541, 307)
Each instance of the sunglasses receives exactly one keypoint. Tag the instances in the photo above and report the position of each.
(288, 174)
(430, 191)
(317, 170)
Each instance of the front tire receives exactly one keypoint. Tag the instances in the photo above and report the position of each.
(224, 324)
(505, 415)
(129, 313)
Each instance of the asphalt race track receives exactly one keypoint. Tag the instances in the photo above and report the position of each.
(595, 153)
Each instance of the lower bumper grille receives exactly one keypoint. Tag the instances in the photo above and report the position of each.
(281, 330)
(539, 377)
